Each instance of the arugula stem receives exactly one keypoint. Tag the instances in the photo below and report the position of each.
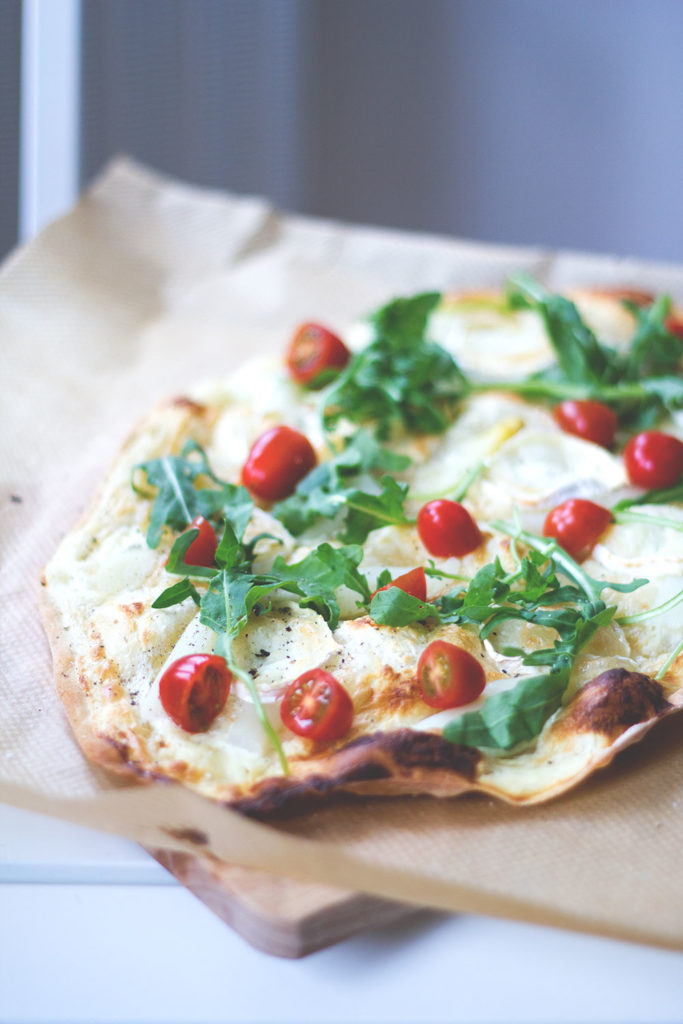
(634, 516)
(226, 646)
(439, 574)
(552, 550)
(666, 606)
(560, 390)
(260, 710)
(669, 662)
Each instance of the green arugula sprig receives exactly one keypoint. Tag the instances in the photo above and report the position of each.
(179, 498)
(536, 591)
(640, 384)
(401, 379)
(334, 485)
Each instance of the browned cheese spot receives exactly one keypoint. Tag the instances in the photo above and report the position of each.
(182, 402)
(612, 702)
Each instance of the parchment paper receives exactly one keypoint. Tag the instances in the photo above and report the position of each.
(145, 286)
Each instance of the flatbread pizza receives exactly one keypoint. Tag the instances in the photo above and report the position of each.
(442, 554)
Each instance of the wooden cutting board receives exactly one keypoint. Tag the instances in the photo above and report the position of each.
(277, 915)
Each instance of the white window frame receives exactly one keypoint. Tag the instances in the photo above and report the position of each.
(50, 112)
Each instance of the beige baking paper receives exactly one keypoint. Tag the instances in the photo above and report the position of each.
(145, 286)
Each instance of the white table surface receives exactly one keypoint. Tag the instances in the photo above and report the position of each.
(92, 929)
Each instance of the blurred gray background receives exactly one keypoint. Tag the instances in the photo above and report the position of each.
(558, 122)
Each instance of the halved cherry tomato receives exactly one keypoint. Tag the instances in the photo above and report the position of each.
(654, 459)
(276, 463)
(674, 325)
(449, 676)
(202, 550)
(317, 706)
(576, 525)
(589, 420)
(194, 689)
(312, 350)
(447, 529)
(413, 582)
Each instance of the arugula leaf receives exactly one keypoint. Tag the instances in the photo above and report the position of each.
(401, 379)
(403, 320)
(320, 574)
(581, 357)
(640, 384)
(393, 607)
(179, 500)
(332, 486)
(367, 512)
(176, 560)
(176, 594)
(512, 717)
(654, 351)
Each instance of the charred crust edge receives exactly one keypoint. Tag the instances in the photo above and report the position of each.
(403, 755)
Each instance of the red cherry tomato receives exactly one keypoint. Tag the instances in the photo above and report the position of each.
(447, 529)
(654, 459)
(202, 550)
(592, 421)
(448, 676)
(674, 325)
(312, 350)
(276, 463)
(194, 689)
(413, 582)
(576, 525)
(317, 706)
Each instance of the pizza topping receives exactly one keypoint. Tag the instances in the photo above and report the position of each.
(202, 550)
(629, 510)
(401, 379)
(576, 525)
(235, 591)
(449, 676)
(194, 689)
(317, 707)
(413, 583)
(179, 498)
(654, 459)
(447, 530)
(511, 717)
(278, 460)
(640, 384)
(333, 489)
(315, 354)
(674, 325)
(589, 420)
(535, 593)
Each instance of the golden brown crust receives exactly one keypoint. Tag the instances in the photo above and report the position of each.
(73, 692)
